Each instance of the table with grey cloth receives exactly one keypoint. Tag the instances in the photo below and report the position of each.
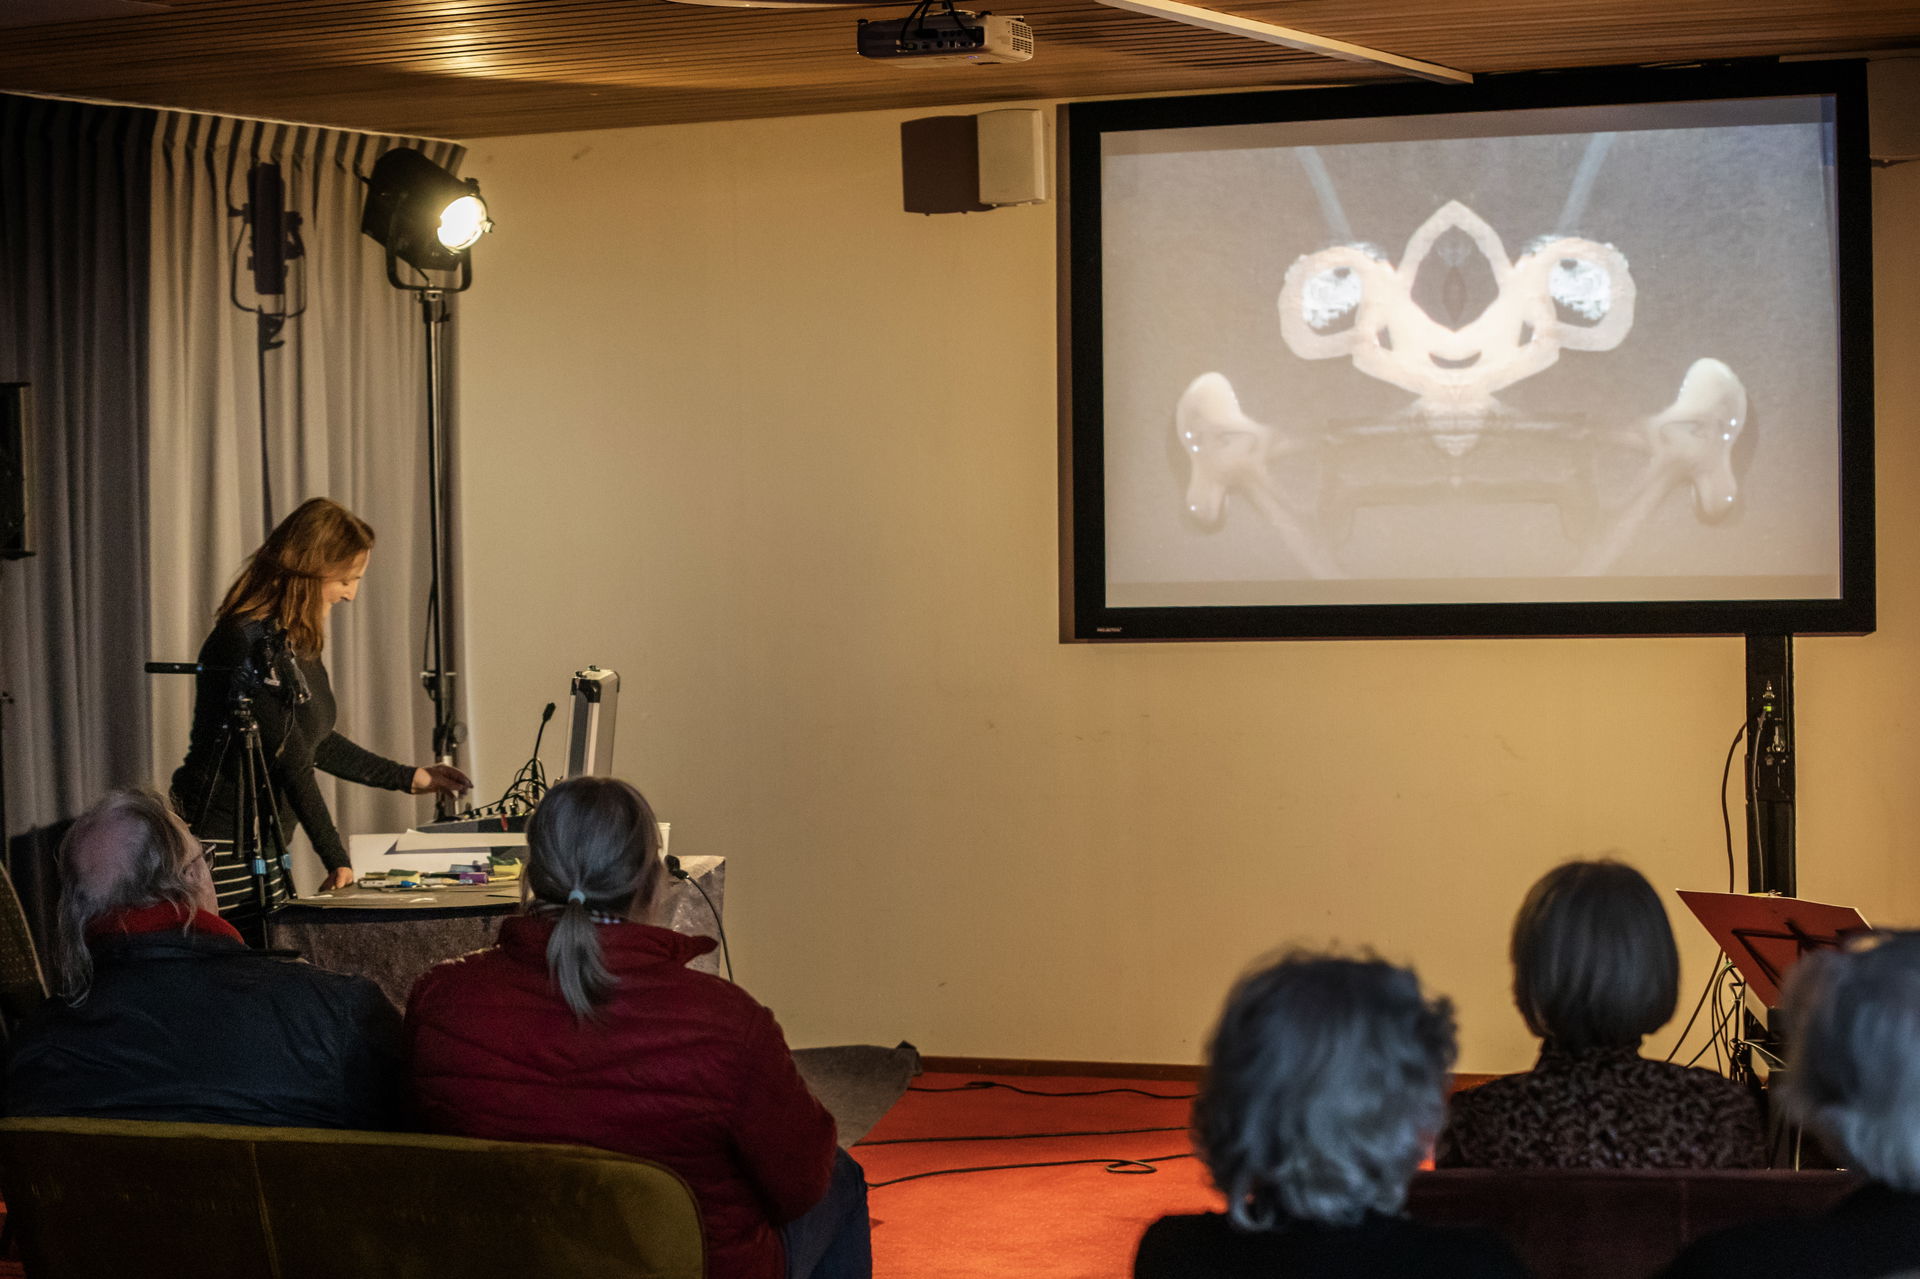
(392, 937)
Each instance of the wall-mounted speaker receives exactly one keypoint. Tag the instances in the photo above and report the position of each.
(16, 470)
(940, 164)
(1893, 107)
(1013, 156)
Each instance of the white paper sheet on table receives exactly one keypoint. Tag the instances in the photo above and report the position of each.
(415, 851)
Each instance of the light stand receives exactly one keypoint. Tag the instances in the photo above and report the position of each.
(448, 732)
(423, 215)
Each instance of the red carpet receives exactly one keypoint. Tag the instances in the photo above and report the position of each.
(1078, 1221)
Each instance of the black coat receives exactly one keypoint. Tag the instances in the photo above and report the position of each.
(1871, 1234)
(1207, 1246)
(199, 1029)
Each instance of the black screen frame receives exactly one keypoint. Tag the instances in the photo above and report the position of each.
(1085, 614)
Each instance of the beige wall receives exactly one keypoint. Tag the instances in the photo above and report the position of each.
(784, 456)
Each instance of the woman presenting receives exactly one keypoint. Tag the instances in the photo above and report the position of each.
(268, 635)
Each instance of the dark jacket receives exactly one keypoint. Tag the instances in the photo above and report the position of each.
(679, 1067)
(200, 1029)
(1208, 1246)
(1871, 1234)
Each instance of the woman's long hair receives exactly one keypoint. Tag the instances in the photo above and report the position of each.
(282, 581)
(593, 847)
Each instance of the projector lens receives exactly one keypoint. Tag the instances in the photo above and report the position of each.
(463, 222)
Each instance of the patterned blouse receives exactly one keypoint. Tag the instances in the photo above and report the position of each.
(1604, 1108)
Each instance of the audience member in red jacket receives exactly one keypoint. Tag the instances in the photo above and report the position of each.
(585, 1025)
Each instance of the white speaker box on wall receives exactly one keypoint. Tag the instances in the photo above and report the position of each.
(1013, 156)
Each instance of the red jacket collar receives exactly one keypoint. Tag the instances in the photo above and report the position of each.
(159, 918)
(624, 945)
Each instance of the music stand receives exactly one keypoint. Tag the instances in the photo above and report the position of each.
(1765, 936)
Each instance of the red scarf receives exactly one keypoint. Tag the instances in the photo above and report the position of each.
(159, 918)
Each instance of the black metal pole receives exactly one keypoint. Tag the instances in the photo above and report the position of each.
(437, 678)
(1770, 789)
(267, 333)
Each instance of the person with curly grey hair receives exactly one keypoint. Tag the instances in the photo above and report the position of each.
(1854, 1080)
(1595, 970)
(1326, 1081)
(164, 1012)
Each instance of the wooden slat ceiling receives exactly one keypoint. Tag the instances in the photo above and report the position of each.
(476, 68)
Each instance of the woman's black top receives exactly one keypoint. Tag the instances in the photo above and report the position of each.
(1873, 1233)
(296, 739)
(1208, 1246)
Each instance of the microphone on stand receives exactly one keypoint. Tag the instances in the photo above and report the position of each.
(545, 715)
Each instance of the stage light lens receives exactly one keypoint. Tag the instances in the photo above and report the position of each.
(422, 214)
(463, 222)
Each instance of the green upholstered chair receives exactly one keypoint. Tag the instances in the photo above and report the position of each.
(23, 988)
(109, 1199)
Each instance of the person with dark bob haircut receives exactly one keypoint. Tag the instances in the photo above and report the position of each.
(1595, 971)
(1326, 1080)
(1854, 1080)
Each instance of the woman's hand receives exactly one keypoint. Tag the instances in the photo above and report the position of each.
(440, 779)
(337, 879)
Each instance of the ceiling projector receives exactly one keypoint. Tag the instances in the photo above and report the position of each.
(952, 36)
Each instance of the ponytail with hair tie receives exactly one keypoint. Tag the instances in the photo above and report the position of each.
(595, 842)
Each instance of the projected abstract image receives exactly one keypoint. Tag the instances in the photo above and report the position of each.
(1590, 358)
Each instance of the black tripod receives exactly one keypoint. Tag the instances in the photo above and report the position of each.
(257, 835)
(258, 839)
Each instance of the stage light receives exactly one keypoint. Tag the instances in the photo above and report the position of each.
(423, 215)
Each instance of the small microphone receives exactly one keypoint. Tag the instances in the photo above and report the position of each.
(545, 715)
(301, 693)
(673, 867)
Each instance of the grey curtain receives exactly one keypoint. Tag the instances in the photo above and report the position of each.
(73, 320)
(344, 418)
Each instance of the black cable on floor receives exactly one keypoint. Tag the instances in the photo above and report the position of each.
(1128, 1167)
(975, 1085)
(1020, 1136)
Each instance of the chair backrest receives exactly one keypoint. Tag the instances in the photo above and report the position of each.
(23, 987)
(1604, 1224)
(104, 1199)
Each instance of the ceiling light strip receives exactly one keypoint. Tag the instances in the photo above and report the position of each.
(1229, 24)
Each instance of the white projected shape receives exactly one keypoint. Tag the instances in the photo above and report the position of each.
(1329, 296)
(1562, 293)
(1455, 371)
(1581, 287)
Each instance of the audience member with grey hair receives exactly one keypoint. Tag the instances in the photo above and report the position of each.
(1326, 1081)
(1595, 971)
(165, 1013)
(585, 1025)
(1853, 1079)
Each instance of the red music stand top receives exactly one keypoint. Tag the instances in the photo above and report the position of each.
(1765, 936)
